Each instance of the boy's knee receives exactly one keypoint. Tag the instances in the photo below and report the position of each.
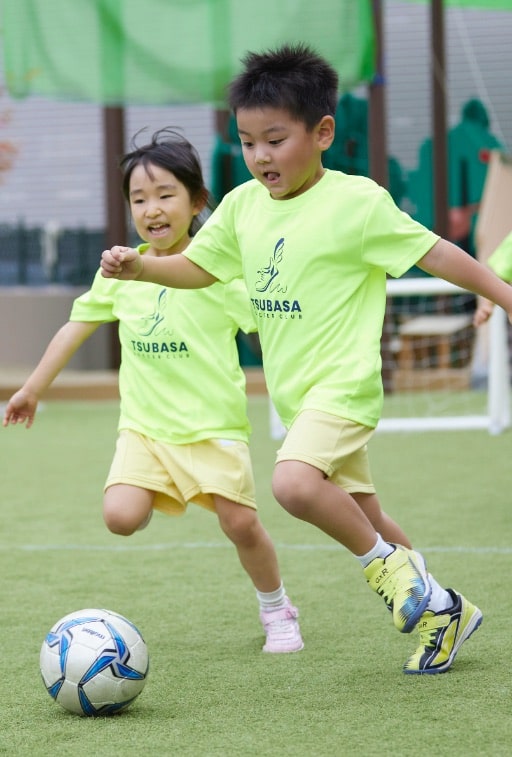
(292, 493)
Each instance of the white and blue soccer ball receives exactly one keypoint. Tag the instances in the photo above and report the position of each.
(94, 662)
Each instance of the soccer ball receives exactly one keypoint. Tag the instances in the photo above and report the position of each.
(94, 662)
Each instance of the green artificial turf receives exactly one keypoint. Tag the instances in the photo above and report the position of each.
(211, 691)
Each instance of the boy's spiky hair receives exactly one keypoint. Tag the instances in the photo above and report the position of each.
(292, 77)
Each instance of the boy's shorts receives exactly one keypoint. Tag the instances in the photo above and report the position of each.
(183, 473)
(336, 446)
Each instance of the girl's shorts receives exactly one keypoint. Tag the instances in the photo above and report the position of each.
(334, 445)
(183, 473)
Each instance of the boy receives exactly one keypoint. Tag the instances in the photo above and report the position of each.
(314, 247)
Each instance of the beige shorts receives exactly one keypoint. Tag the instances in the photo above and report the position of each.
(183, 473)
(336, 446)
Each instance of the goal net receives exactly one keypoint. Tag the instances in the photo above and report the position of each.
(439, 372)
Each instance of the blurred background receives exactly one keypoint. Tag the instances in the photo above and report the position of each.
(77, 83)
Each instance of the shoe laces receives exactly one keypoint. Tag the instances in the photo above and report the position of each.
(432, 627)
(280, 622)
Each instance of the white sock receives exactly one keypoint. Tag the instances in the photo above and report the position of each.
(381, 549)
(271, 600)
(440, 599)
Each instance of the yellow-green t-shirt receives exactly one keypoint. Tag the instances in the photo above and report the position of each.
(501, 259)
(315, 268)
(180, 379)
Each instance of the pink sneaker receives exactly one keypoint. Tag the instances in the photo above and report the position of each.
(282, 629)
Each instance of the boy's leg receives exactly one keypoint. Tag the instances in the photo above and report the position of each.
(258, 557)
(396, 573)
(449, 619)
(322, 459)
(442, 634)
(382, 523)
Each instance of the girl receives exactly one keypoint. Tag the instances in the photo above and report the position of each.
(183, 427)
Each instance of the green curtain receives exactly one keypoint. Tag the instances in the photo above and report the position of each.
(118, 52)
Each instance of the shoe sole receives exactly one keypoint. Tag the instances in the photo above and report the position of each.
(471, 627)
(283, 651)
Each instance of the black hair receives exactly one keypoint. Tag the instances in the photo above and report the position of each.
(292, 77)
(171, 151)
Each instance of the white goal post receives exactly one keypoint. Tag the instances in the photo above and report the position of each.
(492, 338)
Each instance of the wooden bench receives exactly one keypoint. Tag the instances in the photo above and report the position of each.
(434, 352)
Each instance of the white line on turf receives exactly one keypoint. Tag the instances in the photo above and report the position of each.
(461, 549)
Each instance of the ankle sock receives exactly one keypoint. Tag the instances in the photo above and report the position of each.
(271, 600)
(440, 599)
(381, 549)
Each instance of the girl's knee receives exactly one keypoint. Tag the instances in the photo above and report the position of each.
(126, 508)
(117, 521)
(240, 524)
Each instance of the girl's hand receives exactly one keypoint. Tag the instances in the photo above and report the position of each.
(21, 407)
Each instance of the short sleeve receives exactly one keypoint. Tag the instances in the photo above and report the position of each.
(97, 303)
(215, 246)
(393, 240)
(501, 259)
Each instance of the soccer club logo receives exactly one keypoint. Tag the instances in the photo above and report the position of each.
(152, 324)
(272, 304)
(267, 277)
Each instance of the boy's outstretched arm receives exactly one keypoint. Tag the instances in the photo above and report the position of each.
(175, 271)
(447, 261)
(23, 404)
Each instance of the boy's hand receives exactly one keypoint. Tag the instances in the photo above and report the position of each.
(21, 407)
(121, 263)
(483, 311)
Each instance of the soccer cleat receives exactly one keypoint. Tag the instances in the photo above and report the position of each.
(442, 634)
(282, 629)
(401, 580)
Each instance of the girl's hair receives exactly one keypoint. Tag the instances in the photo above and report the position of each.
(171, 151)
(292, 77)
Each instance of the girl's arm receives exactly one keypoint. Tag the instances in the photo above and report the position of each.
(23, 404)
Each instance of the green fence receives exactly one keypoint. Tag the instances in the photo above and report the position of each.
(37, 256)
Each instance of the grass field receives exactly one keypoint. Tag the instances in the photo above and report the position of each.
(211, 692)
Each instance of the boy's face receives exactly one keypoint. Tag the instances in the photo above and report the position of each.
(280, 152)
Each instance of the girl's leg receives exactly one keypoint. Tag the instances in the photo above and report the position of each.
(253, 544)
(126, 508)
(258, 557)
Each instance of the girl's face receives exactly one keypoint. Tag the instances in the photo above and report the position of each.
(280, 152)
(162, 209)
